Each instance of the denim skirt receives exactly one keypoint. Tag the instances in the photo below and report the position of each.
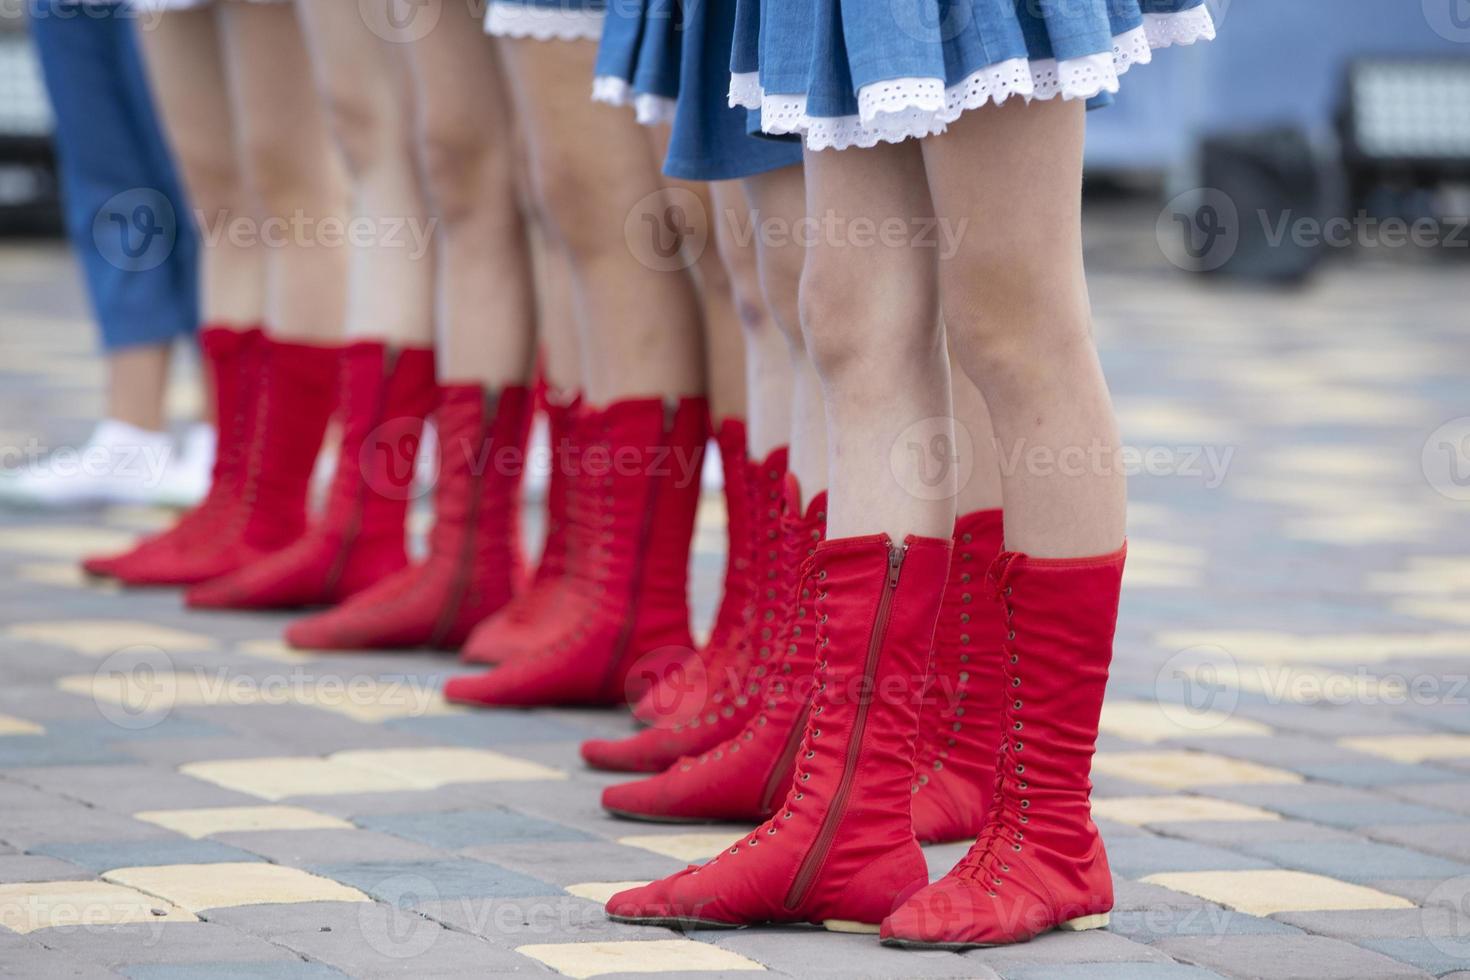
(841, 73)
(546, 20)
(670, 60)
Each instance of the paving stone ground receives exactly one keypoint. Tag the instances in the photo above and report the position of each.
(1283, 777)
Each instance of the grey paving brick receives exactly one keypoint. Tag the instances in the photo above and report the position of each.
(1440, 922)
(1288, 958)
(490, 728)
(271, 919)
(72, 822)
(1237, 833)
(1140, 857)
(1122, 971)
(1386, 812)
(105, 856)
(426, 881)
(386, 941)
(1453, 796)
(465, 828)
(1096, 946)
(1450, 840)
(36, 867)
(220, 970)
(20, 752)
(514, 922)
(328, 846)
(128, 787)
(818, 953)
(1374, 773)
(173, 752)
(566, 864)
(30, 961)
(162, 942)
(1436, 956)
(1151, 924)
(1360, 861)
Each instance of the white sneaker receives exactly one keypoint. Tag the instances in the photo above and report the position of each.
(119, 464)
(187, 479)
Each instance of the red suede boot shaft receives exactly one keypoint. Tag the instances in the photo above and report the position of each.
(231, 358)
(625, 596)
(754, 496)
(696, 711)
(384, 395)
(473, 560)
(841, 848)
(743, 777)
(1039, 863)
(734, 609)
(959, 728)
(516, 628)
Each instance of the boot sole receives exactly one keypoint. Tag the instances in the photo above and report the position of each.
(655, 818)
(1080, 924)
(678, 922)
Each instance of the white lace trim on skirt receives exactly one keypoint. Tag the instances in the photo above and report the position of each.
(904, 108)
(650, 110)
(543, 23)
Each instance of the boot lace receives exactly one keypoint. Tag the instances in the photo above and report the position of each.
(937, 735)
(1004, 836)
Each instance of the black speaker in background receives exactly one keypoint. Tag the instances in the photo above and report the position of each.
(1271, 187)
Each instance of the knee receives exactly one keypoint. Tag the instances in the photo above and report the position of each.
(569, 202)
(851, 327)
(466, 173)
(360, 124)
(274, 168)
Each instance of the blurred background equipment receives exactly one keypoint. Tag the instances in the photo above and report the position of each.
(28, 189)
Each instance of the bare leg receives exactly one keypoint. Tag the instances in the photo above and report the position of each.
(290, 167)
(745, 380)
(184, 54)
(716, 276)
(136, 379)
(977, 466)
(366, 86)
(780, 196)
(593, 175)
(486, 289)
(872, 327)
(556, 320)
(1017, 310)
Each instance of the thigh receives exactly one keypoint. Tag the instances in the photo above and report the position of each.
(1007, 188)
(458, 80)
(270, 76)
(185, 63)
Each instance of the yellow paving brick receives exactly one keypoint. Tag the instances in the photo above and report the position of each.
(1324, 461)
(649, 956)
(227, 819)
(278, 778)
(1428, 575)
(1148, 721)
(1269, 892)
(99, 637)
(434, 767)
(1269, 646)
(136, 517)
(1456, 610)
(683, 847)
(62, 541)
(369, 699)
(1410, 748)
(153, 691)
(601, 891)
(367, 771)
(1362, 527)
(210, 886)
(271, 650)
(1141, 811)
(63, 575)
(1186, 770)
(11, 725)
(31, 905)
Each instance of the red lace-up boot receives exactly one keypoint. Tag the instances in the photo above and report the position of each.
(667, 701)
(474, 550)
(509, 632)
(383, 396)
(628, 584)
(1039, 863)
(959, 728)
(298, 388)
(840, 850)
(232, 358)
(728, 698)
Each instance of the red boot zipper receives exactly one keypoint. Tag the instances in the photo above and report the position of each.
(806, 875)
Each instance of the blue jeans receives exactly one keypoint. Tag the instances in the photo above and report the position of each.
(125, 212)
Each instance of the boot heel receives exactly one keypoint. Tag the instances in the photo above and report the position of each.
(1083, 923)
(848, 925)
